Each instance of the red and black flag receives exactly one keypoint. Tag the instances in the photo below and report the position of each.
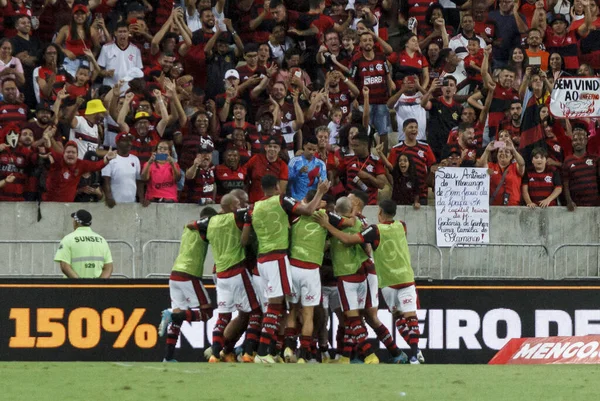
(532, 130)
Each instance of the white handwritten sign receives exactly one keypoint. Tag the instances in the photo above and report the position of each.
(575, 97)
(462, 206)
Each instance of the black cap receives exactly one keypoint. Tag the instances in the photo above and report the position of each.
(82, 217)
(135, 6)
(205, 148)
(274, 140)
(558, 17)
(250, 48)
(450, 150)
(44, 106)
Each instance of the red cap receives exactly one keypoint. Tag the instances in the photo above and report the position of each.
(123, 135)
(80, 7)
(72, 143)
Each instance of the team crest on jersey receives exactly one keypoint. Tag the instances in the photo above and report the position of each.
(379, 67)
(288, 116)
(370, 168)
(569, 40)
(343, 98)
(455, 116)
(19, 160)
(21, 110)
(409, 185)
(488, 30)
(421, 153)
(66, 175)
(420, 62)
(556, 148)
(240, 175)
(227, 59)
(4, 111)
(548, 179)
(589, 162)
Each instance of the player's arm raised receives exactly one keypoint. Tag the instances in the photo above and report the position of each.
(308, 209)
(348, 239)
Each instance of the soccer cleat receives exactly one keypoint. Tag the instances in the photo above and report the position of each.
(301, 360)
(325, 357)
(400, 359)
(165, 318)
(414, 360)
(247, 358)
(208, 353)
(213, 359)
(344, 360)
(278, 359)
(289, 355)
(264, 359)
(228, 357)
(420, 357)
(169, 360)
(372, 360)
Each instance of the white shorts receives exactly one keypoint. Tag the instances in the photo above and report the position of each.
(353, 296)
(236, 293)
(373, 291)
(331, 298)
(187, 294)
(277, 275)
(307, 286)
(402, 300)
(260, 289)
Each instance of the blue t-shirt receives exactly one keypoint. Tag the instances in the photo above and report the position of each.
(302, 182)
(508, 34)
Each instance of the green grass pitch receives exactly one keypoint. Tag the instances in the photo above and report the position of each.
(46, 381)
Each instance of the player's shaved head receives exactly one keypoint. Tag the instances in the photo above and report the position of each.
(229, 203)
(269, 183)
(241, 195)
(343, 206)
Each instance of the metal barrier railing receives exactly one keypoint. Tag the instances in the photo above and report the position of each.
(501, 261)
(38, 257)
(158, 256)
(576, 264)
(426, 260)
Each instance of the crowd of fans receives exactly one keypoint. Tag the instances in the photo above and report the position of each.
(200, 97)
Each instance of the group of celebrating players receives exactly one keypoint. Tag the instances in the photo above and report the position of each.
(281, 264)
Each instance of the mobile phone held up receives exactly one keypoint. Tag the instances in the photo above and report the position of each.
(161, 157)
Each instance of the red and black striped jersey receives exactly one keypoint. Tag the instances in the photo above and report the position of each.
(567, 46)
(581, 173)
(228, 179)
(418, 9)
(349, 167)
(142, 147)
(16, 162)
(373, 74)
(501, 101)
(541, 185)
(189, 147)
(201, 187)
(342, 99)
(13, 113)
(515, 132)
(477, 141)
(422, 156)
(555, 151)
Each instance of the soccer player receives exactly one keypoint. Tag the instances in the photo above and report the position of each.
(306, 256)
(359, 200)
(394, 271)
(189, 299)
(349, 266)
(234, 288)
(269, 219)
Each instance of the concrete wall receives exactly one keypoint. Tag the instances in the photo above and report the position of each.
(137, 225)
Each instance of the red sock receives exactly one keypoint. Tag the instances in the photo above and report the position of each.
(402, 328)
(385, 337)
(270, 327)
(218, 339)
(413, 333)
(253, 332)
(360, 334)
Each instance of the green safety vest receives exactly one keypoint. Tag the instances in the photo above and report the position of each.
(225, 239)
(392, 257)
(192, 252)
(308, 241)
(347, 259)
(86, 252)
(271, 225)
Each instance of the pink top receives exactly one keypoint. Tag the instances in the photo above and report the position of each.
(161, 183)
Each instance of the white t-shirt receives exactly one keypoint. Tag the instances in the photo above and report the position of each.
(459, 44)
(410, 107)
(194, 23)
(85, 135)
(123, 173)
(112, 57)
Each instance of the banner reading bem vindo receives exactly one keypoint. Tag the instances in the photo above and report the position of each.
(575, 97)
(115, 320)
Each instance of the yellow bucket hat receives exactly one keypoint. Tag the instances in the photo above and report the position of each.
(94, 106)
